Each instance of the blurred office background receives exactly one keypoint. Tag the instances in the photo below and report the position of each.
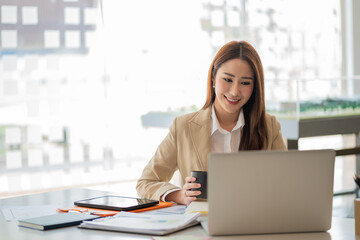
(88, 87)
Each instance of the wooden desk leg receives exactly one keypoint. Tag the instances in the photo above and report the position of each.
(357, 216)
(293, 144)
(357, 161)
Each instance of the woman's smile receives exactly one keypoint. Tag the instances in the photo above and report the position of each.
(233, 101)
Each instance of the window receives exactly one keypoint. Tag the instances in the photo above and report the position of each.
(91, 86)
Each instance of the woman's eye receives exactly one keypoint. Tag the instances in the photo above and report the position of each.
(227, 79)
(245, 83)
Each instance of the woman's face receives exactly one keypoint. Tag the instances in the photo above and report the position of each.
(234, 84)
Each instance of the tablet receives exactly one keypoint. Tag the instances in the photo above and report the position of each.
(116, 203)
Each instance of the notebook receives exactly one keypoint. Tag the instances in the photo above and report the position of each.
(56, 220)
(153, 224)
(258, 192)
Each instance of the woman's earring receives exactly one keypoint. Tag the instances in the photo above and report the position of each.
(213, 86)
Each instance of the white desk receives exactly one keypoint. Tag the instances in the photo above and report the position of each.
(342, 228)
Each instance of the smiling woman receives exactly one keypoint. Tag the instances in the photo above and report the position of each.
(232, 119)
(233, 86)
(243, 60)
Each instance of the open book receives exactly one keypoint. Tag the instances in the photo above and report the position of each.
(144, 223)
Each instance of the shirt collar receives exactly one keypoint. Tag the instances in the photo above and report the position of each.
(216, 126)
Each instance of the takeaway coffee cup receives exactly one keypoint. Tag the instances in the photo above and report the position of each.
(201, 177)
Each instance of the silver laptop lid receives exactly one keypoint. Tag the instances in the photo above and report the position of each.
(255, 192)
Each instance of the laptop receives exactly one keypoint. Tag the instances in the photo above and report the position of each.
(261, 192)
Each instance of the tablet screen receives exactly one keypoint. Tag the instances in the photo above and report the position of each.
(116, 203)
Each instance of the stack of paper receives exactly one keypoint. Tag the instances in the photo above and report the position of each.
(144, 223)
(201, 207)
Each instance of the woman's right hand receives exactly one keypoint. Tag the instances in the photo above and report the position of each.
(190, 195)
(186, 195)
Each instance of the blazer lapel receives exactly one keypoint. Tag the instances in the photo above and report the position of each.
(200, 129)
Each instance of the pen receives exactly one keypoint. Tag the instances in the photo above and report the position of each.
(357, 179)
(88, 211)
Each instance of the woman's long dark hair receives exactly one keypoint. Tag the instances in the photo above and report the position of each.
(254, 135)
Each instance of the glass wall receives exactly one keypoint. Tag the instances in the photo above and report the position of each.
(89, 87)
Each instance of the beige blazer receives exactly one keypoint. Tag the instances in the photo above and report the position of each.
(186, 148)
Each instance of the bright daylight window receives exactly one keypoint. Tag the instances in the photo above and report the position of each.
(88, 88)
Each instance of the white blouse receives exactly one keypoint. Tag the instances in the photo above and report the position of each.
(221, 139)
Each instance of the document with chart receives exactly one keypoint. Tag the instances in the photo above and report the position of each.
(144, 223)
